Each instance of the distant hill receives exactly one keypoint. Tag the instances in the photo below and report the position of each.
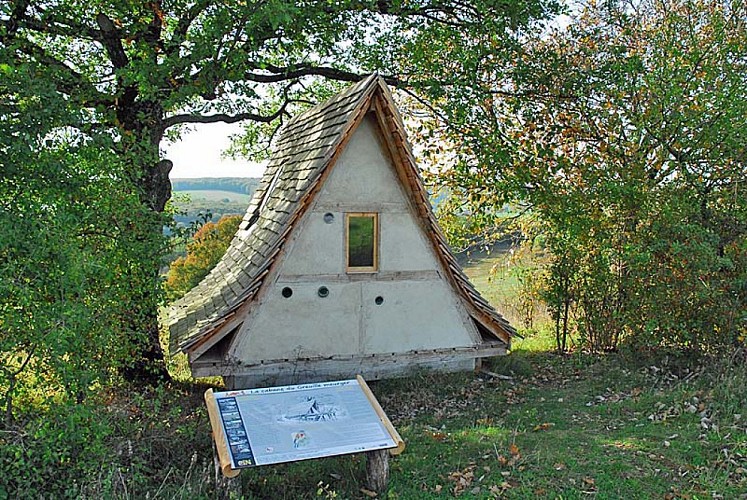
(210, 195)
(243, 185)
(218, 196)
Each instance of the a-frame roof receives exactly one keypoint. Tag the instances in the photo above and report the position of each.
(307, 147)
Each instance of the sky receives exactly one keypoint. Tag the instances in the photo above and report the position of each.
(198, 154)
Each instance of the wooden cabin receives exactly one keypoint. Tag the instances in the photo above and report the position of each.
(339, 267)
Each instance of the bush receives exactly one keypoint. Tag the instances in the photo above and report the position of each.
(54, 453)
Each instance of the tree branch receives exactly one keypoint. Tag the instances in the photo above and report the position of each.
(222, 117)
(55, 26)
(69, 81)
(12, 24)
(112, 41)
(183, 25)
(279, 74)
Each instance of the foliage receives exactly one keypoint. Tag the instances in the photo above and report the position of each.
(623, 136)
(137, 73)
(121, 444)
(203, 253)
(71, 438)
(70, 256)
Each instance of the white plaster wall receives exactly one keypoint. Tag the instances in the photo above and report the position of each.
(420, 312)
(363, 173)
(415, 315)
(403, 245)
(318, 247)
(304, 325)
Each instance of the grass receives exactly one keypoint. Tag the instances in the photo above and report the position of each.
(573, 427)
(637, 425)
(566, 426)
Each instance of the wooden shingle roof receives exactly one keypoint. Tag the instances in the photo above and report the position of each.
(307, 146)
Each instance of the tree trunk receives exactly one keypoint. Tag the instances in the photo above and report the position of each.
(142, 125)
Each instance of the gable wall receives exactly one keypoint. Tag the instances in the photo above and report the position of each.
(420, 310)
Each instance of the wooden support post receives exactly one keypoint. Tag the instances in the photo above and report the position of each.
(225, 487)
(377, 470)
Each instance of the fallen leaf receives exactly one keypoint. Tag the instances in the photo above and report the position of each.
(438, 488)
(543, 427)
(369, 493)
(513, 449)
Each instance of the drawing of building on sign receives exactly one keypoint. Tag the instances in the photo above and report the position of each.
(313, 409)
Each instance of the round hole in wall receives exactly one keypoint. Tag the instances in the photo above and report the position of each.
(379, 300)
(287, 292)
(329, 217)
(323, 291)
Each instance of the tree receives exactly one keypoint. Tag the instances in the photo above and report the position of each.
(130, 72)
(66, 209)
(203, 253)
(624, 136)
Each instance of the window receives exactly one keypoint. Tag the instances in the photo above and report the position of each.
(362, 233)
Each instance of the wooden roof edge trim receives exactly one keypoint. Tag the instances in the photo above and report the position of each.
(231, 321)
(417, 192)
(302, 205)
(490, 324)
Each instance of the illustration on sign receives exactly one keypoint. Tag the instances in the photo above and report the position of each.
(288, 423)
(315, 409)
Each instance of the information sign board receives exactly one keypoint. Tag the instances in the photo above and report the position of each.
(297, 422)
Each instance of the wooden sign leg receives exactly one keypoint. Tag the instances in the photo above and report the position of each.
(225, 487)
(377, 470)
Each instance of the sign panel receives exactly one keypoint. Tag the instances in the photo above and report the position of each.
(299, 422)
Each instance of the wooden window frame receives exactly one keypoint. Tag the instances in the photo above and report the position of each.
(362, 269)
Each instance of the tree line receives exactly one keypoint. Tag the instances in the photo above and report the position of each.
(232, 184)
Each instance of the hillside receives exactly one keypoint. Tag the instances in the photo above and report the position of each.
(218, 196)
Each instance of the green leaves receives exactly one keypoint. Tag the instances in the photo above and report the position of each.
(623, 132)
